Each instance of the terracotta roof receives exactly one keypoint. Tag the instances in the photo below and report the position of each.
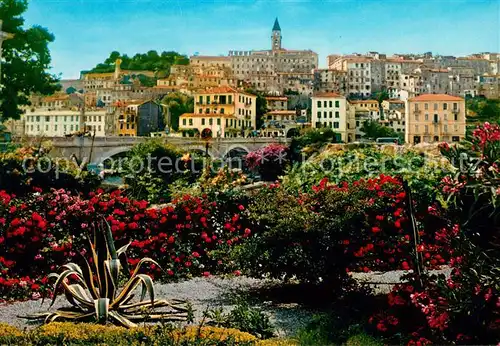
(211, 115)
(223, 90)
(395, 101)
(276, 98)
(55, 98)
(436, 97)
(328, 95)
(364, 101)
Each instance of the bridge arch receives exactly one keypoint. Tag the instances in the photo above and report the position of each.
(101, 158)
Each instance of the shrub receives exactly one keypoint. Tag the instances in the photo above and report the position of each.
(58, 333)
(152, 166)
(269, 161)
(316, 235)
(23, 168)
(191, 236)
(463, 308)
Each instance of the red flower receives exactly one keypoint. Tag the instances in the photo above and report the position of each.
(380, 217)
(376, 229)
(188, 264)
(171, 239)
(405, 266)
(195, 254)
(381, 327)
(206, 274)
(240, 207)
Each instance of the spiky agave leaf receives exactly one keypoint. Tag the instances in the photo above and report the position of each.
(123, 321)
(129, 287)
(101, 306)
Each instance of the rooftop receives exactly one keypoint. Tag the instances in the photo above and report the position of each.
(436, 97)
(328, 95)
(211, 115)
(277, 98)
(223, 90)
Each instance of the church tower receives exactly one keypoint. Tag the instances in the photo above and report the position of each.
(276, 38)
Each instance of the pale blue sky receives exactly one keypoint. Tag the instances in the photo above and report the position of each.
(87, 31)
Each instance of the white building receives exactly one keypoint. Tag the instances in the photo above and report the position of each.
(331, 110)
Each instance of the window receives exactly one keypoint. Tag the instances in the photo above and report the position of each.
(47, 119)
(200, 101)
(416, 117)
(426, 106)
(324, 104)
(100, 118)
(426, 116)
(416, 128)
(455, 139)
(336, 125)
(222, 111)
(416, 107)
(426, 129)
(230, 99)
(456, 117)
(55, 127)
(324, 115)
(337, 114)
(65, 128)
(76, 127)
(208, 99)
(455, 106)
(46, 127)
(207, 110)
(70, 128)
(337, 104)
(330, 114)
(319, 115)
(210, 121)
(99, 127)
(203, 121)
(445, 128)
(435, 106)
(227, 122)
(65, 118)
(445, 117)
(445, 106)
(218, 121)
(183, 121)
(319, 104)
(191, 122)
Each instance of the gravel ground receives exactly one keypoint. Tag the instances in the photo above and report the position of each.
(202, 293)
(214, 292)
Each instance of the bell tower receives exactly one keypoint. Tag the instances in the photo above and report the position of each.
(276, 37)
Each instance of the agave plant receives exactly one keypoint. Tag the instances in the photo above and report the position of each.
(95, 293)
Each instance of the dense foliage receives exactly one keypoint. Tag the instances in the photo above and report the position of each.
(150, 61)
(25, 60)
(151, 167)
(177, 104)
(23, 168)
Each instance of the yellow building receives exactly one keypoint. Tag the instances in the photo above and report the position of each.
(221, 112)
(127, 118)
(435, 118)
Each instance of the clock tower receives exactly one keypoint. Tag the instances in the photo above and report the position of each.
(276, 37)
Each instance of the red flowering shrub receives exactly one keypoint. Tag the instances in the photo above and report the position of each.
(41, 232)
(463, 308)
(269, 161)
(318, 235)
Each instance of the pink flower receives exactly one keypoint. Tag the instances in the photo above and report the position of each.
(206, 274)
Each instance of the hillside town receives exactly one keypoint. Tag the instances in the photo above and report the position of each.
(419, 97)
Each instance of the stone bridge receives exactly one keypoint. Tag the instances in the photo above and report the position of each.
(107, 147)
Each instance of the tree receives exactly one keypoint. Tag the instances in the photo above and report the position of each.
(260, 106)
(177, 104)
(381, 96)
(374, 130)
(26, 59)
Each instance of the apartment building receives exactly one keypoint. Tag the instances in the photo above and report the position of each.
(221, 112)
(435, 118)
(332, 110)
(330, 80)
(277, 103)
(135, 118)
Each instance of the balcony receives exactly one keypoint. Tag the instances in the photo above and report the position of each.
(248, 104)
(455, 111)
